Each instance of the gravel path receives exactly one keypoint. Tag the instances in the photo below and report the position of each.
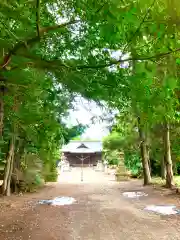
(100, 212)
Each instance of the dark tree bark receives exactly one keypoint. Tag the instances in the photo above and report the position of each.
(144, 154)
(1, 114)
(2, 92)
(167, 157)
(8, 169)
(163, 168)
(10, 158)
(19, 152)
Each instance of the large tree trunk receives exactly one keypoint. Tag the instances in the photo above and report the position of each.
(168, 160)
(144, 155)
(163, 168)
(8, 169)
(10, 159)
(1, 114)
(8, 190)
(149, 161)
(145, 163)
(18, 153)
(2, 91)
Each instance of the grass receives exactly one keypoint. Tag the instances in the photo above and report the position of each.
(159, 181)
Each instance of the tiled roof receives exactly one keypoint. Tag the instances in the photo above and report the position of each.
(91, 146)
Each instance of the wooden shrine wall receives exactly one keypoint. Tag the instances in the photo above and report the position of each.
(90, 159)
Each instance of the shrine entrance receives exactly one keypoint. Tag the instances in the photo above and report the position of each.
(89, 151)
(89, 159)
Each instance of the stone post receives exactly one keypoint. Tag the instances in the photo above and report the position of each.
(121, 172)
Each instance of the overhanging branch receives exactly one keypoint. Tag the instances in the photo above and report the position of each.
(160, 55)
(55, 64)
(44, 63)
(32, 40)
(140, 25)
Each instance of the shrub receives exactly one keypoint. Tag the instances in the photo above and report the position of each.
(50, 173)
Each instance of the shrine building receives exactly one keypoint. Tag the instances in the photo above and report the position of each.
(89, 151)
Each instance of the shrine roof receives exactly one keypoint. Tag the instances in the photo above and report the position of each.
(75, 146)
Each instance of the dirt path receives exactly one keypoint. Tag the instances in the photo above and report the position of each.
(100, 213)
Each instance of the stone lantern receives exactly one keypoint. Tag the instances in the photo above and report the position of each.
(121, 172)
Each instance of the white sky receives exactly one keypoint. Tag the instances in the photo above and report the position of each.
(89, 113)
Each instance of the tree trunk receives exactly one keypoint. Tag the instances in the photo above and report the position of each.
(18, 154)
(8, 193)
(149, 161)
(3, 89)
(144, 155)
(1, 114)
(8, 169)
(163, 168)
(10, 160)
(168, 160)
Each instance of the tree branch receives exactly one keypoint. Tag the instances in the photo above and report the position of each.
(139, 27)
(160, 55)
(41, 62)
(101, 7)
(38, 17)
(50, 64)
(32, 40)
(52, 28)
(142, 22)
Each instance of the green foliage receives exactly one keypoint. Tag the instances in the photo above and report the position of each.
(113, 141)
(112, 157)
(73, 132)
(124, 137)
(50, 173)
(133, 162)
(36, 120)
(114, 144)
